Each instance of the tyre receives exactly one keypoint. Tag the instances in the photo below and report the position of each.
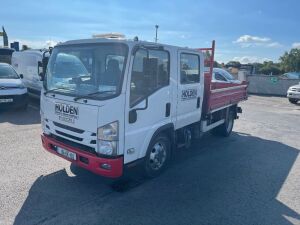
(78, 171)
(158, 156)
(225, 129)
(293, 101)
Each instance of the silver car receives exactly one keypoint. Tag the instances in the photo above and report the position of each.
(293, 93)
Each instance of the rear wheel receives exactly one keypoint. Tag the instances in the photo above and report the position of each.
(158, 155)
(293, 101)
(225, 129)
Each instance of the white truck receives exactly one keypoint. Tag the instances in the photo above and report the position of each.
(108, 104)
(31, 64)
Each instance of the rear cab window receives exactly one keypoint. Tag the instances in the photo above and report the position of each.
(189, 68)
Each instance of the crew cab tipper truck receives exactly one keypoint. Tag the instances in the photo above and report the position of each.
(110, 103)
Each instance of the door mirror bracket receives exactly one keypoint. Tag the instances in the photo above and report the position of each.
(133, 113)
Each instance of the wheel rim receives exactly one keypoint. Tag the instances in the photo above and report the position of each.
(157, 156)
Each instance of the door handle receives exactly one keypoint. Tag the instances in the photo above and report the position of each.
(168, 109)
(198, 102)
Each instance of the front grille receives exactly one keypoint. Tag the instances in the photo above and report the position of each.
(86, 138)
(73, 129)
(74, 144)
(68, 135)
(6, 88)
(295, 89)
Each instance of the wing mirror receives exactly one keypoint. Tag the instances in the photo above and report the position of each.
(21, 76)
(41, 70)
(133, 113)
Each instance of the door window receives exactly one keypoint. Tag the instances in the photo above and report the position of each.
(150, 72)
(189, 68)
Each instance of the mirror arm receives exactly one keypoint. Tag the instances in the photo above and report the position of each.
(144, 108)
(133, 114)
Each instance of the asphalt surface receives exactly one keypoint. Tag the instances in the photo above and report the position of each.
(252, 177)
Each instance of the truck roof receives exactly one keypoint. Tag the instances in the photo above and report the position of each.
(117, 40)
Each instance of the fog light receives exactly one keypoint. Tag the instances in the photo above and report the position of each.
(105, 166)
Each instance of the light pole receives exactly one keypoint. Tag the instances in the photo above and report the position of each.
(156, 28)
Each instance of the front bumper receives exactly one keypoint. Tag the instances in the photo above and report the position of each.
(293, 94)
(86, 160)
(17, 101)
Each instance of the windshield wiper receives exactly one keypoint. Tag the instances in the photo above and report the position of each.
(55, 89)
(90, 94)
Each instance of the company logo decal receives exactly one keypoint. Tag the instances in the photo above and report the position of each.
(66, 113)
(188, 94)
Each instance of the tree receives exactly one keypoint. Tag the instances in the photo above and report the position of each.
(270, 68)
(290, 61)
(217, 65)
(234, 64)
(25, 47)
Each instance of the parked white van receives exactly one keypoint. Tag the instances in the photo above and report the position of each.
(31, 64)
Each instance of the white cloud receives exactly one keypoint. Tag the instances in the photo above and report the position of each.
(296, 45)
(252, 39)
(246, 41)
(36, 44)
(274, 45)
(250, 59)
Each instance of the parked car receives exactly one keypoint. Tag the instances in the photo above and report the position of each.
(291, 75)
(13, 93)
(293, 93)
(222, 76)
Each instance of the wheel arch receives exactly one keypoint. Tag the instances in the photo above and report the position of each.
(167, 129)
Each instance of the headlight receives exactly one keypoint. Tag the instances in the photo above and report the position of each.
(108, 137)
(21, 86)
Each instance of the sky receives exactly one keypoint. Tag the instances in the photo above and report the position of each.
(246, 31)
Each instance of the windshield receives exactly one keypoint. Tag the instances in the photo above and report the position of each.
(81, 70)
(7, 72)
(228, 75)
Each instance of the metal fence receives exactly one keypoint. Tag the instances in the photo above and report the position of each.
(269, 85)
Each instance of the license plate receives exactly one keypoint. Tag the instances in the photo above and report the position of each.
(66, 153)
(6, 100)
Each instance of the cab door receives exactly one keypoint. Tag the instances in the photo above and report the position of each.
(190, 88)
(148, 95)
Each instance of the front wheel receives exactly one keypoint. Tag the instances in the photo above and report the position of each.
(158, 155)
(225, 129)
(293, 101)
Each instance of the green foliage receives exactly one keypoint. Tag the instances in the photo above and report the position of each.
(290, 61)
(217, 65)
(234, 64)
(25, 47)
(269, 68)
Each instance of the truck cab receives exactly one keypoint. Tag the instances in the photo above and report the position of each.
(108, 104)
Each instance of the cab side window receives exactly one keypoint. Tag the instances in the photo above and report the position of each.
(150, 72)
(189, 68)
